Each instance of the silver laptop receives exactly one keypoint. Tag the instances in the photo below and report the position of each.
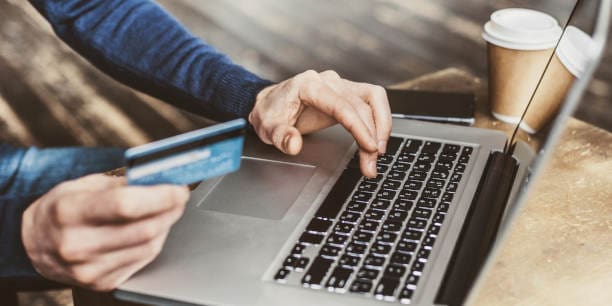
(310, 230)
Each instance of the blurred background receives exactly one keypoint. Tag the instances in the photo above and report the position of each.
(50, 96)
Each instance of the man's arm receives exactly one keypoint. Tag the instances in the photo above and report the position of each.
(141, 45)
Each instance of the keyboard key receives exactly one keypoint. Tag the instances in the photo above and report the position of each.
(426, 203)
(433, 230)
(290, 262)
(301, 264)
(440, 173)
(413, 185)
(368, 226)
(317, 271)
(386, 237)
(428, 242)
(380, 168)
(357, 249)
(406, 246)
(406, 158)
(361, 286)
(447, 157)
(380, 204)
(349, 261)
(436, 183)
(405, 295)
(330, 208)
(349, 217)
(363, 237)
(438, 219)
(418, 266)
(362, 196)
(367, 187)
(386, 194)
(431, 193)
(464, 159)
(310, 238)
(330, 251)
(427, 158)
(422, 166)
(374, 262)
(400, 166)
(452, 187)
(339, 278)
(391, 184)
(413, 145)
(443, 207)
(411, 234)
(393, 145)
(318, 226)
(460, 168)
(423, 254)
(298, 248)
(451, 148)
(386, 288)
(374, 215)
(447, 197)
(401, 258)
(456, 177)
(444, 165)
(397, 215)
(356, 206)
(431, 147)
(343, 228)
(412, 281)
(366, 273)
(403, 204)
(392, 226)
(417, 223)
(381, 249)
(422, 213)
(377, 179)
(396, 175)
(408, 195)
(282, 274)
(467, 150)
(337, 239)
(417, 175)
(394, 271)
(385, 159)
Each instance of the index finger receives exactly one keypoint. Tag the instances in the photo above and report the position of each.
(321, 96)
(376, 97)
(130, 203)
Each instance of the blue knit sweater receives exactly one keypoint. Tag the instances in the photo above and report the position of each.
(140, 45)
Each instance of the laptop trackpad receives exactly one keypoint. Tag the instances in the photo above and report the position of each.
(261, 188)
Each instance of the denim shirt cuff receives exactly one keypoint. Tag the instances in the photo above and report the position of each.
(10, 159)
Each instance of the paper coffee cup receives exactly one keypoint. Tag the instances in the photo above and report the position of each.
(568, 64)
(519, 44)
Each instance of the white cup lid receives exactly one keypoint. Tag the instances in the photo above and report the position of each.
(574, 50)
(522, 29)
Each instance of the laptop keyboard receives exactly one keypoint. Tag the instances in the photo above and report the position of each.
(374, 236)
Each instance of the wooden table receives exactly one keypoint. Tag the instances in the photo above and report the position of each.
(559, 249)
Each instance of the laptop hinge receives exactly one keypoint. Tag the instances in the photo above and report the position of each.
(479, 230)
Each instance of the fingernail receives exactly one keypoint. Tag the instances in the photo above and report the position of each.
(382, 146)
(372, 166)
(286, 142)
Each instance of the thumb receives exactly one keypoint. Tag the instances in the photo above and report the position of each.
(287, 139)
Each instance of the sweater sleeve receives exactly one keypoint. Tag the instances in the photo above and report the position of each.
(138, 43)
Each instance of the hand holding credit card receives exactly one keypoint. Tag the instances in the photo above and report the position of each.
(187, 158)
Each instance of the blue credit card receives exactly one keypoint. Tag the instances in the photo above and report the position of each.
(187, 158)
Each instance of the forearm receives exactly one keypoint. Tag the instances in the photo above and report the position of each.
(139, 44)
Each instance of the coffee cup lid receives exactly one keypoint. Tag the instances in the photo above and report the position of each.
(522, 29)
(574, 49)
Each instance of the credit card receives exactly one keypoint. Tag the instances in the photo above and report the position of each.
(187, 158)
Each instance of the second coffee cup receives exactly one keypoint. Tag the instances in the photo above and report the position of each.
(519, 44)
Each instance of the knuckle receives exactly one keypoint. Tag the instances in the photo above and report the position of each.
(330, 73)
(148, 231)
(69, 251)
(85, 275)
